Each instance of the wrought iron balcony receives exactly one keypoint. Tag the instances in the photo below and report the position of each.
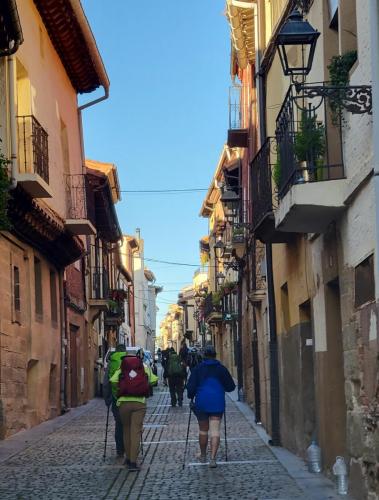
(115, 314)
(33, 153)
(80, 210)
(309, 144)
(264, 194)
(212, 312)
(99, 284)
(238, 112)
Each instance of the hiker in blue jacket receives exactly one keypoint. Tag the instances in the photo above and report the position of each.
(207, 385)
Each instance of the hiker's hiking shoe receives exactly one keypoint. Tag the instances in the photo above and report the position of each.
(202, 458)
(212, 463)
(127, 462)
(133, 467)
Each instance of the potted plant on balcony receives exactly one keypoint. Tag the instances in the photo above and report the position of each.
(309, 148)
(4, 192)
(228, 287)
(216, 299)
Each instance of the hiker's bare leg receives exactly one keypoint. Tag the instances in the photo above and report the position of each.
(203, 436)
(214, 432)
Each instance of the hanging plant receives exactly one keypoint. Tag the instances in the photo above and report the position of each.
(216, 298)
(4, 192)
(339, 69)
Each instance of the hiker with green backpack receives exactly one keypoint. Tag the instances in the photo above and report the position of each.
(110, 395)
(176, 372)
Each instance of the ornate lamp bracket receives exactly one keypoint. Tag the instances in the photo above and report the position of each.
(355, 98)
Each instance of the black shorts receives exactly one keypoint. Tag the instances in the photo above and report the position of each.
(203, 416)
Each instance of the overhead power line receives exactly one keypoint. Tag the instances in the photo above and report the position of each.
(172, 263)
(157, 191)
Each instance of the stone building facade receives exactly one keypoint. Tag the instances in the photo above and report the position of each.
(41, 136)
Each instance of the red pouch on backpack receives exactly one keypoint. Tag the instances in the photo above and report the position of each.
(133, 379)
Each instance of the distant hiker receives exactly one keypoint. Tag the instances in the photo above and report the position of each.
(176, 372)
(183, 355)
(207, 384)
(193, 358)
(183, 351)
(110, 395)
(133, 381)
(165, 354)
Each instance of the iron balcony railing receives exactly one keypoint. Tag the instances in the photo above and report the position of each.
(33, 147)
(209, 307)
(116, 312)
(100, 284)
(79, 201)
(309, 141)
(261, 181)
(238, 107)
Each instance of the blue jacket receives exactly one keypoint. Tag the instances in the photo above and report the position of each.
(207, 384)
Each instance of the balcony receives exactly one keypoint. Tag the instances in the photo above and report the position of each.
(115, 314)
(33, 154)
(263, 195)
(309, 170)
(98, 299)
(80, 211)
(212, 312)
(238, 133)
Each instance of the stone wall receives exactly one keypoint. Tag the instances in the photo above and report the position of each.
(29, 343)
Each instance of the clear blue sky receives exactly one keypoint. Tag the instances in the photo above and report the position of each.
(165, 122)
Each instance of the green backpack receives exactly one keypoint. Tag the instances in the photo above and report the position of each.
(175, 366)
(114, 364)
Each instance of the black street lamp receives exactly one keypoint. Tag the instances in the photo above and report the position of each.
(220, 278)
(296, 35)
(219, 249)
(231, 202)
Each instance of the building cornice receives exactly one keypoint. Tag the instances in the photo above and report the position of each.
(71, 35)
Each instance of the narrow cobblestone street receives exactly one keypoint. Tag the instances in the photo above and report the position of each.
(63, 459)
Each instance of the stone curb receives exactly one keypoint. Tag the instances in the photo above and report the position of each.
(315, 486)
(24, 439)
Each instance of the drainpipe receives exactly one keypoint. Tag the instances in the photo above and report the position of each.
(273, 342)
(63, 386)
(80, 109)
(12, 122)
(374, 16)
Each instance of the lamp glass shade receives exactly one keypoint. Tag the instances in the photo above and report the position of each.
(219, 249)
(296, 43)
(231, 201)
(220, 277)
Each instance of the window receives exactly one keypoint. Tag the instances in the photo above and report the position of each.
(333, 14)
(364, 282)
(41, 43)
(38, 286)
(16, 289)
(53, 297)
(285, 307)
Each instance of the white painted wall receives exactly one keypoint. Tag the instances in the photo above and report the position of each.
(358, 224)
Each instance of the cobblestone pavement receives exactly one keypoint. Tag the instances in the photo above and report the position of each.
(68, 462)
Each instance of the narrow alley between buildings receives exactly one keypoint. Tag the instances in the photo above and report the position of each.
(63, 459)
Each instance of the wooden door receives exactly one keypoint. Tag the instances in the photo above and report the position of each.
(74, 332)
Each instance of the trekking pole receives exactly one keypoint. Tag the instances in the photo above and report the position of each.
(142, 443)
(188, 429)
(106, 434)
(226, 442)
